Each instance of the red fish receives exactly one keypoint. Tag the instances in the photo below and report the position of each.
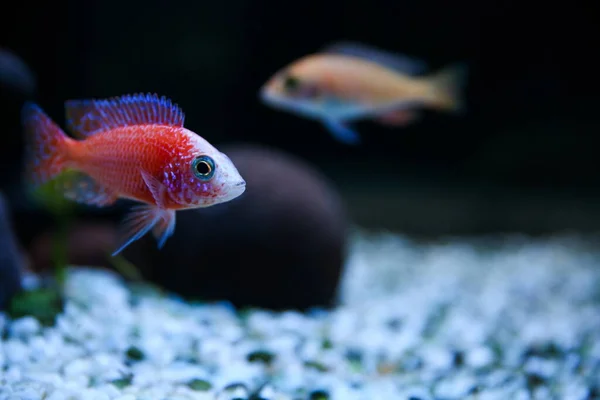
(133, 147)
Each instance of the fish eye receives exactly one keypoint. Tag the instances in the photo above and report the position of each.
(203, 167)
(291, 83)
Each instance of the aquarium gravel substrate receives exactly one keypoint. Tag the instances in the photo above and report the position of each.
(507, 319)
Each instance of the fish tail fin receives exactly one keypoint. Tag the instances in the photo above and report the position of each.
(447, 88)
(47, 146)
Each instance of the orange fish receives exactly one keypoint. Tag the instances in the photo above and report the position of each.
(133, 147)
(348, 81)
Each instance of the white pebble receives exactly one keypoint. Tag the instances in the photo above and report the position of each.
(12, 374)
(515, 297)
(28, 394)
(51, 378)
(77, 367)
(24, 327)
(57, 395)
(3, 322)
(543, 367)
(94, 394)
(109, 389)
(437, 358)
(479, 357)
(455, 387)
(16, 352)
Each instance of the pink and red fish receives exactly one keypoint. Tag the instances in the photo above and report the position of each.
(131, 147)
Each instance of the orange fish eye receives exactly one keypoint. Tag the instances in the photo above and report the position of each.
(203, 167)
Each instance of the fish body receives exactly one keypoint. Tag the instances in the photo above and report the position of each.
(348, 81)
(132, 147)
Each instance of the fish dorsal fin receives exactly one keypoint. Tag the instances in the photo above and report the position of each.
(88, 117)
(395, 61)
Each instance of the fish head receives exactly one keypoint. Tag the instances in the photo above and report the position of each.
(300, 88)
(203, 176)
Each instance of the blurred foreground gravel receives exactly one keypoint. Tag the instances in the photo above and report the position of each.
(505, 319)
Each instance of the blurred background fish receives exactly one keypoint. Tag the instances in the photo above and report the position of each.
(347, 81)
(134, 147)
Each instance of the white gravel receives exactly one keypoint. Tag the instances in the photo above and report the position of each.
(511, 319)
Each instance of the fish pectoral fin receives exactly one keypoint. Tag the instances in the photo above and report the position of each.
(141, 219)
(83, 189)
(156, 187)
(164, 228)
(342, 132)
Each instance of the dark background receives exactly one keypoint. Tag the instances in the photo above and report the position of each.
(523, 158)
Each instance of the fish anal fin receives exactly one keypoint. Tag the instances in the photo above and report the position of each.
(398, 118)
(90, 116)
(396, 61)
(164, 228)
(342, 132)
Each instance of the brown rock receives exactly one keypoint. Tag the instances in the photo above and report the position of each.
(88, 244)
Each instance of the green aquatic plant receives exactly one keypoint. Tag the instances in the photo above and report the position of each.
(125, 268)
(51, 197)
(45, 302)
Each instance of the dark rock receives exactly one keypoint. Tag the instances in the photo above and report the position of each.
(11, 260)
(261, 356)
(280, 245)
(17, 84)
(534, 380)
(545, 350)
(316, 365)
(199, 385)
(89, 243)
(134, 354)
(15, 74)
(458, 358)
(319, 395)
(236, 391)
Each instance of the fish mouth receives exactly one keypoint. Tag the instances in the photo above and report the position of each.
(237, 189)
(266, 96)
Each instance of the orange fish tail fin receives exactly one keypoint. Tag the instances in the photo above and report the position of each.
(447, 88)
(47, 146)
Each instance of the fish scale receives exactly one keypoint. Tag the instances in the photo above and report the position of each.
(103, 157)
